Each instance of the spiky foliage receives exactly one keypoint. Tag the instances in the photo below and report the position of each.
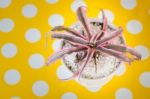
(92, 42)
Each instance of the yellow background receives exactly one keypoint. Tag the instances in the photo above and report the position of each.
(23, 89)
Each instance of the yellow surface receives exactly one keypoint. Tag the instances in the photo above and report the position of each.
(23, 89)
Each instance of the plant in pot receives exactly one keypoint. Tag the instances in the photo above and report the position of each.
(92, 49)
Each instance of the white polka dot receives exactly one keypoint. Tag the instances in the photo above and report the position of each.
(143, 51)
(29, 11)
(94, 88)
(123, 93)
(15, 97)
(128, 4)
(6, 25)
(33, 35)
(4, 3)
(145, 79)
(76, 4)
(57, 45)
(69, 95)
(36, 61)
(63, 72)
(51, 1)
(9, 50)
(56, 20)
(121, 70)
(40, 88)
(12, 77)
(134, 26)
(109, 14)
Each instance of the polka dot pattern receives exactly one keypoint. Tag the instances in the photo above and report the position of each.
(23, 27)
(33, 35)
(123, 93)
(121, 70)
(5, 3)
(145, 79)
(57, 45)
(6, 25)
(63, 72)
(9, 50)
(29, 11)
(94, 88)
(56, 20)
(134, 26)
(12, 77)
(128, 4)
(51, 1)
(144, 51)
(40, 88)
(69, 95)
(36, 61)
(15, 97)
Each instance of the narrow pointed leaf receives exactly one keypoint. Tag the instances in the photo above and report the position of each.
(115, 54)
(69, 38)
(123, 48)
(69, 30)
(87, 59)
(61, 53)
(112, 35)
(81, 13)
(105, 24)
